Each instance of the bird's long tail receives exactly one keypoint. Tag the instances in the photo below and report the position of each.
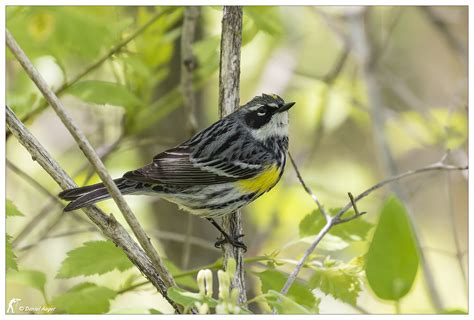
(84, 196)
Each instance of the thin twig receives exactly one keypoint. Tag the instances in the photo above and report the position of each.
(383, 49)
(307, 189)
(110, 227)
(159, 234)
(90, 153)
(103, 154)
(116, 49)
(43, 213)
(440, 165)
(229, 84)
(188, 65)
(213, 266)
(364, 51)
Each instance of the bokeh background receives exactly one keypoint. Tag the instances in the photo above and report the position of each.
(378, 91)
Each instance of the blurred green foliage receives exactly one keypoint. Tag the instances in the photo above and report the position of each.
(132, 102)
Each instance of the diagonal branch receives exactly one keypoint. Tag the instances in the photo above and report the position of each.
(110, 227)
(229, 81)
(307, 189)
(116, 49)
(337, 219)
(90, 153)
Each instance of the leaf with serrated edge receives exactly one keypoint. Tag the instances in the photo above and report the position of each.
(85, 298)
(299, 292)
(313, 222)
(339, 279)
(9, 255)
(94, 257)
(12, 210)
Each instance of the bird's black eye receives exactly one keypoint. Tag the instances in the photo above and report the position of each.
(262, 111)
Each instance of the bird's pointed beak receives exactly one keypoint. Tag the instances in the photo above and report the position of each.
(286, 107)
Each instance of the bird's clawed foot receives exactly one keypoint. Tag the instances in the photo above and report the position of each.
(233, 241)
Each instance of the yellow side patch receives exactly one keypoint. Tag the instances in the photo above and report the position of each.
(260, 183)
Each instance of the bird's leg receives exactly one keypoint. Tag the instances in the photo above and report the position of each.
(227, 238)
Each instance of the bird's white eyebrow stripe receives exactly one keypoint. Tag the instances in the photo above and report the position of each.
(175, 153)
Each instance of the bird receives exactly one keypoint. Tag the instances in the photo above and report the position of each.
(217, 171)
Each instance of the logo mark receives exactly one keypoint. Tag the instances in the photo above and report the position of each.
(11, 304)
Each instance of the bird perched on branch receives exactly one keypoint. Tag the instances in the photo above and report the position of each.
(217, 171)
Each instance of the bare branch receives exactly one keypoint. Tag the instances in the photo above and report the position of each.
(43, 213)
(332, 221)
(433, 167)
(307, 189)
(364, 51)
(107, 224)
(188, 65)
(229, 82)
(90, 153)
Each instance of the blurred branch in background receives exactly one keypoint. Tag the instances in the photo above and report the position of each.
(452, 221)
(110, 227)
(90, 153)
(382, 49)
(229, 91)
(337, 219)
(445, 30)
(330, 77)
(188, 65)
(365, 51)
(116, 49)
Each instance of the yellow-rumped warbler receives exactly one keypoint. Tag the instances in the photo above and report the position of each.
(217, 171)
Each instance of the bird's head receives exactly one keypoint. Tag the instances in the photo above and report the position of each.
(266, 116)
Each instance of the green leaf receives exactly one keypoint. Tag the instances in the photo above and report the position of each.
(356, 229)
(154, 311)
(267, 19)
(12, 210)
(85, 298)
(9, 255)
(327, 243)
(187, 281)
(453, 311)
(31, 278)
(285, 305)
(188, 299)
(101, 92)
(392, 259)
(94, 257)
(338, 279)
(299, 292)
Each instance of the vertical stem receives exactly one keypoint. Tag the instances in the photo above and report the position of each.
(188, 64)
(364, 51)
(229, 78)
(454, 231)
(84, 144)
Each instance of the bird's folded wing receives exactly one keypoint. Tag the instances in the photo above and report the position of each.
(178, 167)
